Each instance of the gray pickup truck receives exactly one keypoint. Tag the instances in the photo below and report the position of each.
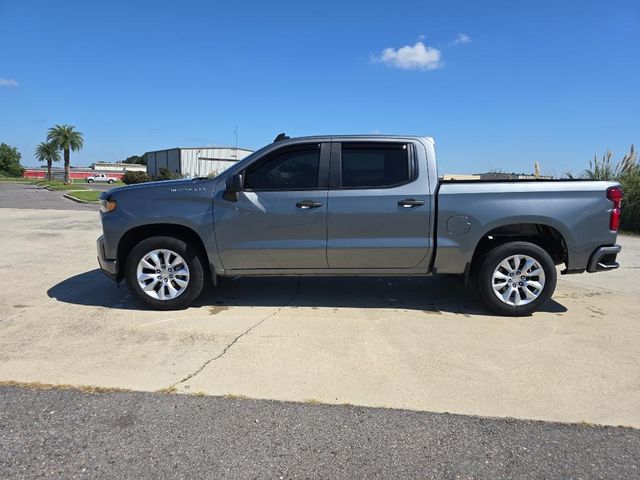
(356, 205)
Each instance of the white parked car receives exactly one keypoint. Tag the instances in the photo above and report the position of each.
(101, 177)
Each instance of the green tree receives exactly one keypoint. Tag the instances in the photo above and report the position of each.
(137, 159)
(47, 152)
(66, 138)
(10, 161)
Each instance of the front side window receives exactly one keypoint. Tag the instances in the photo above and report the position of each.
(290, 170)
(376, 166)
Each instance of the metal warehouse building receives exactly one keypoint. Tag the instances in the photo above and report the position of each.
(193, 161)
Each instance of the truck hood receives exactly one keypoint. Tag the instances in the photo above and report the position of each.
(182, 184)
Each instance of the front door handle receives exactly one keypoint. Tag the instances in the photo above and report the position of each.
(410, 202)
(307, 204)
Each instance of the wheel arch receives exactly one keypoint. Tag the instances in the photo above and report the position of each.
(137, 234)
(546, 236)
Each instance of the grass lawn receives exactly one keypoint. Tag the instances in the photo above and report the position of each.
(56, 185)
(117, 183)
(85, 195)
(14, 179)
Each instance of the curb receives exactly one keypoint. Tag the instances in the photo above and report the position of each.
(47, 187)
(77, 200)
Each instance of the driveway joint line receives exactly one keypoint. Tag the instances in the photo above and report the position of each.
(235, 340)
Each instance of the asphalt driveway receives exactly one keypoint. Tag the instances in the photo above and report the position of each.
(26, 196)
(68, 434)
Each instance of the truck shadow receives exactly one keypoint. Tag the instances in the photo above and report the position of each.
(429, 294)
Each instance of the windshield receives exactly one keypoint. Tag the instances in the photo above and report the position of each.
(248, 158)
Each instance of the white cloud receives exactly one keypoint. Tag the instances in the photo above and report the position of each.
(411, 57)
(461, 39)
(8, 82)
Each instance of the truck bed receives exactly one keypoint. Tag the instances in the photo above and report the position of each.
(578, 210)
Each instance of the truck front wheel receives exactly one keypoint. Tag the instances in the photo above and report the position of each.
(165, 273)
(516, 278)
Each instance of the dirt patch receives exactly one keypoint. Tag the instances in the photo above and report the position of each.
(217, 309)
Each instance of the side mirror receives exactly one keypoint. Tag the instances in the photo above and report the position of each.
(235, 183)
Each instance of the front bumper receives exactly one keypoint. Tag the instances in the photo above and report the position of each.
(108, 266)
(604, 259)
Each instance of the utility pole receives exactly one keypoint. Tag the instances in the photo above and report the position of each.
(235, 134)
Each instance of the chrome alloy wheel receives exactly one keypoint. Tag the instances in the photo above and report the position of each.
(518, 280)
(163, 274)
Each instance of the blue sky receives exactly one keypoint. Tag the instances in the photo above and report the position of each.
(499, 84)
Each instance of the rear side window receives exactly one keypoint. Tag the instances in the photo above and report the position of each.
(374, 165)
(289, 170)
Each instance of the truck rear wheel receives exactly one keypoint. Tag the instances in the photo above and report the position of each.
(165, 273)
(516, 278)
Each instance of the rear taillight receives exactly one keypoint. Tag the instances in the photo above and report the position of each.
(615, 195)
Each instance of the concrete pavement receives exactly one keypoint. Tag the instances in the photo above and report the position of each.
(420, 344)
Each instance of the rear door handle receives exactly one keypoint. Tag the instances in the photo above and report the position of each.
(410, 202)
(307, 204)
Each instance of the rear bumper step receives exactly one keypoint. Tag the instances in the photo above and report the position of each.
(604, 259)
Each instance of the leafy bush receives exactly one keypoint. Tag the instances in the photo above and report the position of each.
(605, 170)
(627, 172)
(630, 219)
(141, 177)
(131, 178)
(166, 174)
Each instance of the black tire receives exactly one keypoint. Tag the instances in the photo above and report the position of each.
(489, 263)
(191, 258)
(89, 181)
(110, 181)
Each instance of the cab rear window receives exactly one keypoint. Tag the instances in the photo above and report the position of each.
(374, 165)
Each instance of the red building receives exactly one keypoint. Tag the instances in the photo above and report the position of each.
(76, 173)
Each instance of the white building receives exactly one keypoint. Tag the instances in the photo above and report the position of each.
(460, 176)
(117, 167)
(193, 161)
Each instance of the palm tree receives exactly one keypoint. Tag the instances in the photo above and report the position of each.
(47, 152)
(66, 138)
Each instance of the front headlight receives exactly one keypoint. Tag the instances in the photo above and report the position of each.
(107, 205)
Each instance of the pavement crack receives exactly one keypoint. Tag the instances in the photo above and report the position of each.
(235, 340)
